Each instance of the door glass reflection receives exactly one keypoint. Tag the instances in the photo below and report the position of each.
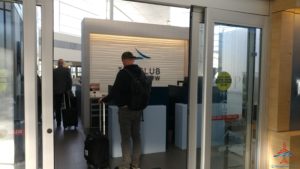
(12, 154)
(235, 50)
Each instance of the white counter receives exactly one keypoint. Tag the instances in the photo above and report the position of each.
(153, 130)
(218, 127)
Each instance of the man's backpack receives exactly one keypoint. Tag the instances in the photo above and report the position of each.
(140, 89)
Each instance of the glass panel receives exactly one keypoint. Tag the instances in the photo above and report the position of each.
(39, 84)
(73, 72)
(12, 154)
(68, 14)
(233, 68)
(200, 92)
(78, 71)
(149, 13)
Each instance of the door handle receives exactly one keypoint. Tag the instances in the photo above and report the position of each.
(49, 131)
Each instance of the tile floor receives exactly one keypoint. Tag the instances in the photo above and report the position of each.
(69, 147)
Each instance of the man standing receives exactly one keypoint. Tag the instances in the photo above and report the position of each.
(129, 119)
(62, 82)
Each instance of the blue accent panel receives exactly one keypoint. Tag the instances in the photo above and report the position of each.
(286, 154)
(142, 55)
(295, 100)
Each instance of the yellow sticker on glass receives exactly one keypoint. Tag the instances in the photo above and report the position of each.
(3, 80)
(223, 81)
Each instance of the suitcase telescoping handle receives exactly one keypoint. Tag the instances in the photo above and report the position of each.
(66, 103)
(102, 116)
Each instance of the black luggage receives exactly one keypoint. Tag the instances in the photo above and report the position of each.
(96, 146)
(69, 112)
(96, 150)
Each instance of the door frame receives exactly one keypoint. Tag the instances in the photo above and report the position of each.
(195, 53)
(213, 16)
(47, 34)
(30, 83)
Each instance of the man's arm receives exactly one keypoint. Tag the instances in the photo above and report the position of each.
(115, 90)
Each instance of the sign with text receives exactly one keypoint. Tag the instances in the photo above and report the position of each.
(223, 81)
(161, 58)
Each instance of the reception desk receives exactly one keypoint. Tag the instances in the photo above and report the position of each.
(218, 127)
(153, 130)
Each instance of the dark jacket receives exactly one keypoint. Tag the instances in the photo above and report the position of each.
(62, 80)
(120, 91)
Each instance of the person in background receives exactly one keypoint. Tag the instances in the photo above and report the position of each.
(129, 120)
(62, 83)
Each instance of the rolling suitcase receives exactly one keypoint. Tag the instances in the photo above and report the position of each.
(96, 146)
(69, 113)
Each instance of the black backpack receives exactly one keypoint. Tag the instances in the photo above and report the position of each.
(140, 89)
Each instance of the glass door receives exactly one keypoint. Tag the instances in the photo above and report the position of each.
(230, 122)
(234, 65)
(23, 128)
(12, 120)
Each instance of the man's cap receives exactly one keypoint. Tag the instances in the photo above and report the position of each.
(128, 55)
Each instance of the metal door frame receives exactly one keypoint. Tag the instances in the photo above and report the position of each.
(197, 17)
(47, 82)
(30, 85)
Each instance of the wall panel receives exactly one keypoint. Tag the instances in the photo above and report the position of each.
(166, 62)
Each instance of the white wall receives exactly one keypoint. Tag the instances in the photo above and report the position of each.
(248, 6)
(67, 38)
(65, 53)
